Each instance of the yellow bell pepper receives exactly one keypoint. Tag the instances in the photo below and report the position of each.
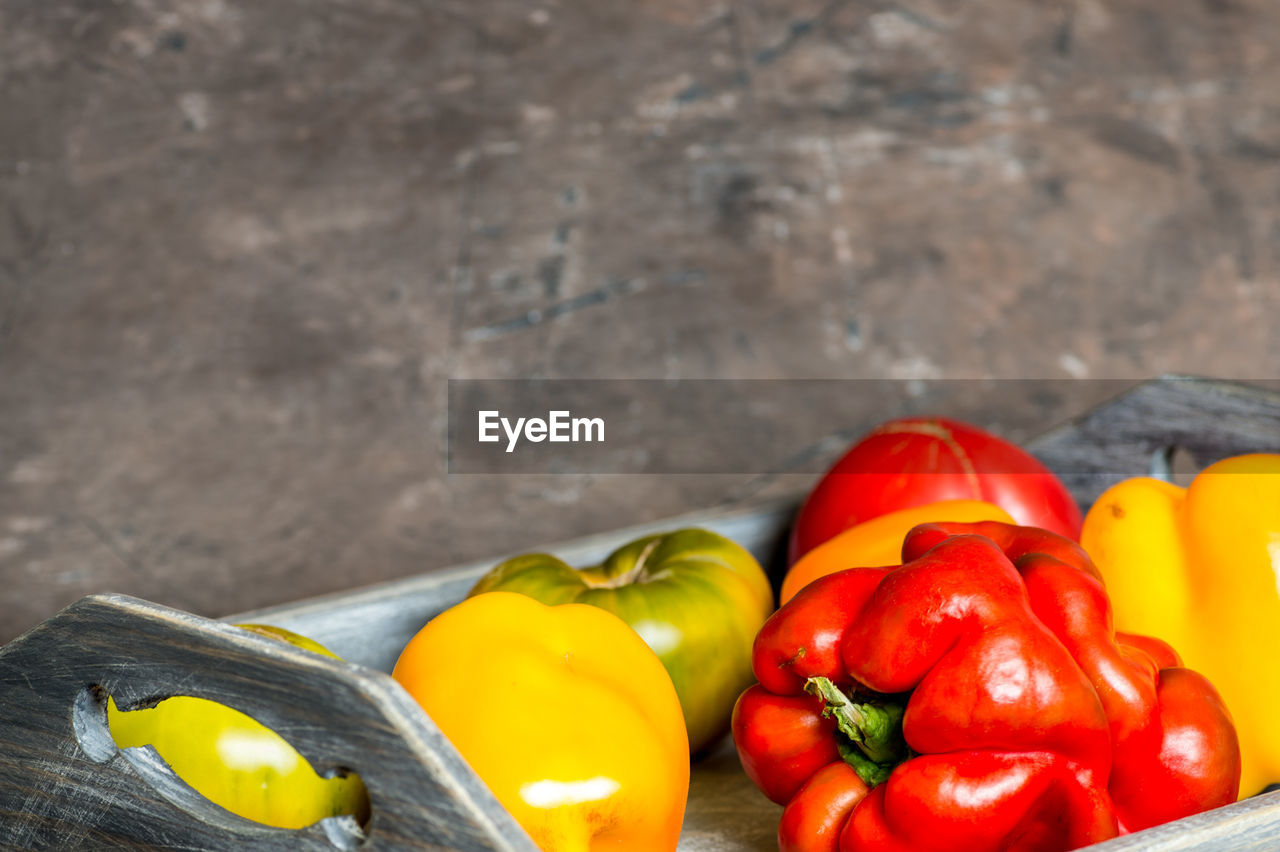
(564, 712)
(877, 542)
(1200, 568)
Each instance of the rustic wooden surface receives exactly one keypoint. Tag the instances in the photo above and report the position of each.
(1175, 426)
(64, 785)
(244, 244)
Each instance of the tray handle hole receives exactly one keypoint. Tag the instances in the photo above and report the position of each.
(92, 728)
(1174, 464)
(89, 720)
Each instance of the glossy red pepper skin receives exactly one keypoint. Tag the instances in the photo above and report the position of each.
(790, 730)
(1031, 725)
(816, 815)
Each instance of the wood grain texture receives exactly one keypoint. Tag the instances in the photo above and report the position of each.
(345, 715)
(54, 795)
(1208, 419)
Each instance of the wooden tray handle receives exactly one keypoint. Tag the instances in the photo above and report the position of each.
(64, 784)
(1133, 434)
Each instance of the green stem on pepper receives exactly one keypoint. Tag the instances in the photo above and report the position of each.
(869, 734)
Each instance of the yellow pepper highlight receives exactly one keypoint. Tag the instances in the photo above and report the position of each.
(877, 542)
(1200, 568)
(237, 762)
(564, 712)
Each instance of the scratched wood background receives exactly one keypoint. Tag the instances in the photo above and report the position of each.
(243, 245)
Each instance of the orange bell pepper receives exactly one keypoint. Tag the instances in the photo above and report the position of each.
(877, 543)
(564, 712)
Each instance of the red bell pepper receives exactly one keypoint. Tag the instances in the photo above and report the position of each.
(976, 698)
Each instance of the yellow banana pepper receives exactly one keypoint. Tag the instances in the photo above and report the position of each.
(1200, 568)
(564, 712)
(237, 762)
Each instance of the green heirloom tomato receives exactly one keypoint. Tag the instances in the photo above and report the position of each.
(697, 598)
(239, 763)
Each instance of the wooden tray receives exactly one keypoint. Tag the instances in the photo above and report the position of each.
(64, 784)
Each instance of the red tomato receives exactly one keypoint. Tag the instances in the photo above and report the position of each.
(915, 460)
